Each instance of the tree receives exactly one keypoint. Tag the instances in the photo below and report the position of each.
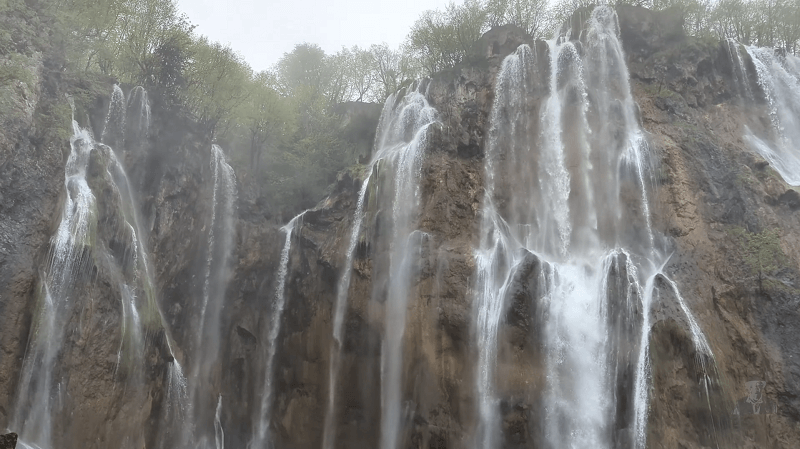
(267, 117)
(362, 74)
(168, 69)
(386, 65)
(533, 16)
(432, 43)
(467, 22)
(303, 70)
(216, 79)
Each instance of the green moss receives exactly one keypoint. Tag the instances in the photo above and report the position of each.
(356, 171)
(761, 252)
(744, 179)
(14, 68)
(659, 90)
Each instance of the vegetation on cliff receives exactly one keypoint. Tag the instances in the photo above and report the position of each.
(281, 126)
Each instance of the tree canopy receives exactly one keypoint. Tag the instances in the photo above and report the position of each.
(280, 125)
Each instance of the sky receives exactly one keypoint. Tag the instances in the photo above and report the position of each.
(263, 30)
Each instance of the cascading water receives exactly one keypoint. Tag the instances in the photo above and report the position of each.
(740, 76)
(567, 191)
(113, 133)
(137, 117)
(779, 79)
(75, 248)
(204, 356)
(38, 395)
(261, 437)
(329, 427)
(395, 168)
(82, 243)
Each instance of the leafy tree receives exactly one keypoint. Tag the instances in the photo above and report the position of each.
(168, 68)
(387, 67)
(361, 74)
(216, 80)
(468, 21)
(303, 70)
(533, 16)
(432, 42)
(267, 117)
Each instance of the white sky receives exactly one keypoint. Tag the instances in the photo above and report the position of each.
(263, 30)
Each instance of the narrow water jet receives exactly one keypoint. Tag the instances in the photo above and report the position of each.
(340, 306)
(219, 433)
(205, 352)
(261, 437)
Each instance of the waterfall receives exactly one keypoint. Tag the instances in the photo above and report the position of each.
(261, 438)
(568, 183)
(79, 244)
(778, 77)
(329, 429)
(94, 233)
(740, 76)
(68, 259)
(113, 133)
(395, 168)
(402, 142)
(138, 114)
(205, 353)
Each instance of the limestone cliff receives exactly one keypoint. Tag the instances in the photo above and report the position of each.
(715, 199)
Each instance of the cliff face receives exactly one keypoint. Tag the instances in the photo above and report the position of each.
(713, 191)
(724, 213)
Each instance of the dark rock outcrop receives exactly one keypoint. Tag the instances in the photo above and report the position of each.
(8, 441)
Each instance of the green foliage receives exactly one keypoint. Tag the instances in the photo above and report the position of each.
(533, 16)
(761, 252)
(215, 86)
(442, 39)
(279, 125)
(13, 69)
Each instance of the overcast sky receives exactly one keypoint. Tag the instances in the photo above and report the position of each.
(263, 30)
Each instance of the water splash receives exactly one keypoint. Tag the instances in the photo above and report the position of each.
(261, 437)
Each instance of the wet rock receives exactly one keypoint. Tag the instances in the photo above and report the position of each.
(646, 32)
(8, 441)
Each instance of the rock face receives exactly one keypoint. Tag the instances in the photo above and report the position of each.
(714, 194)
(8, 441)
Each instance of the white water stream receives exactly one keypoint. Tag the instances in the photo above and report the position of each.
(779, 79)
(569, 183)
